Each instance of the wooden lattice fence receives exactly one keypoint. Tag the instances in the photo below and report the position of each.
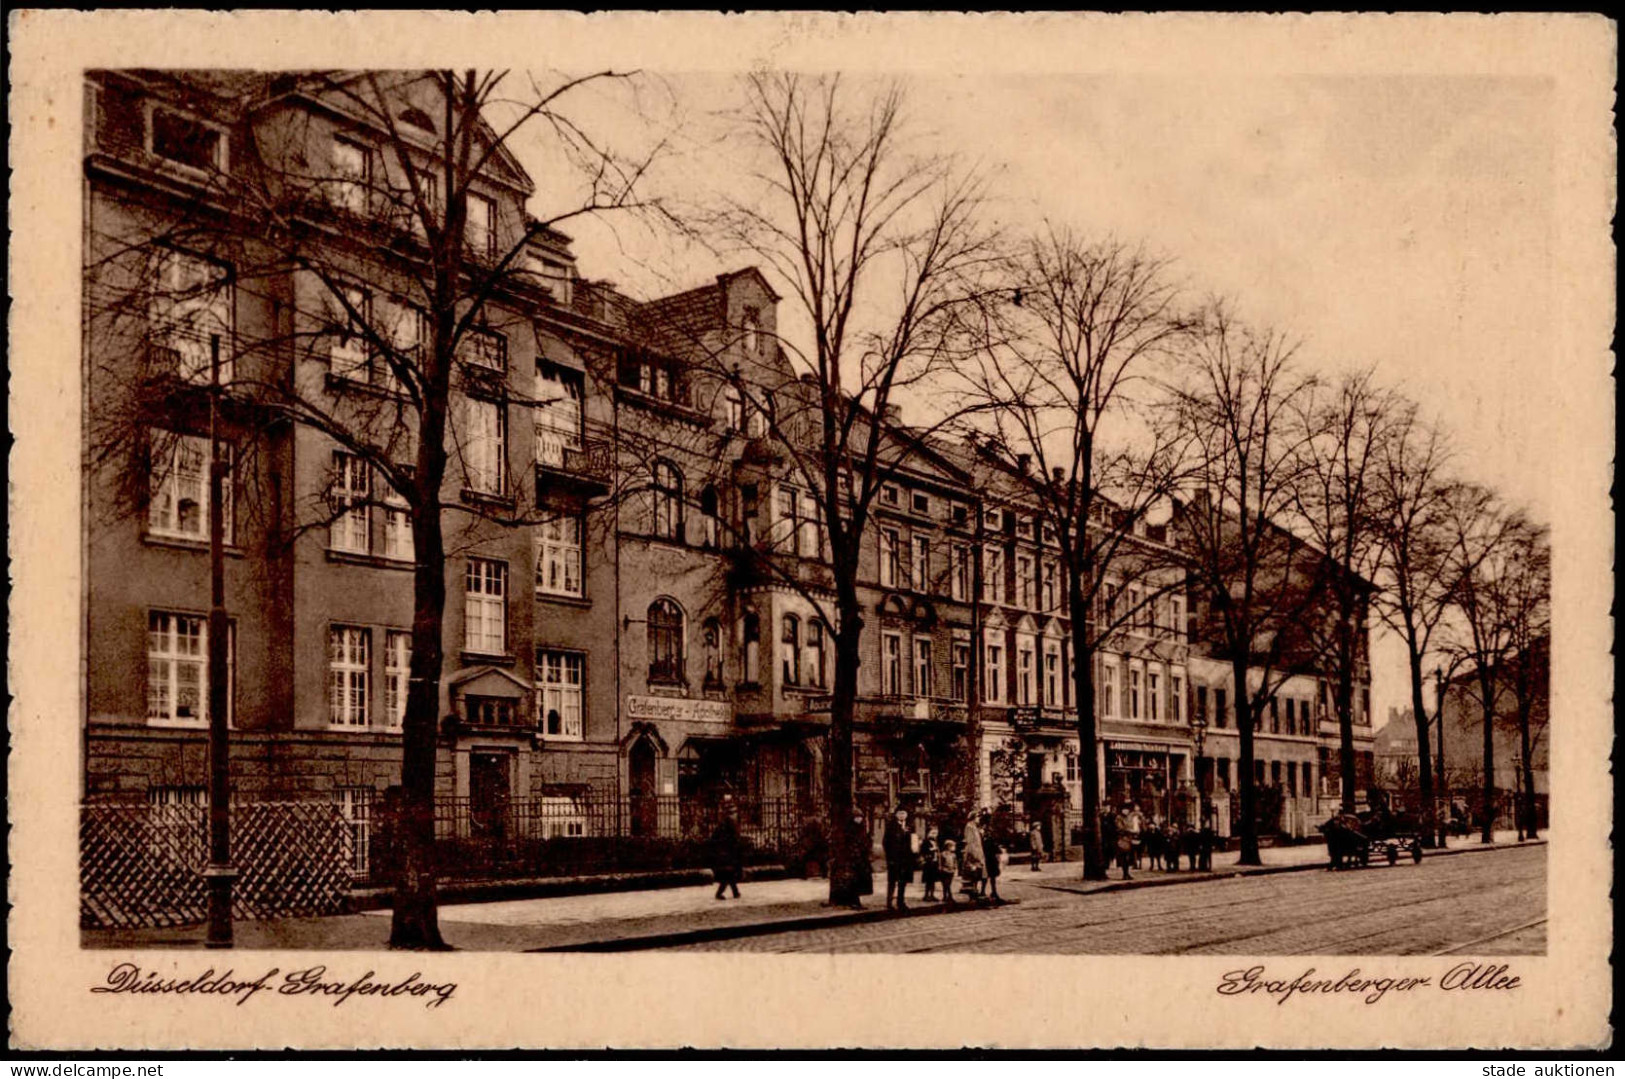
(140, 866)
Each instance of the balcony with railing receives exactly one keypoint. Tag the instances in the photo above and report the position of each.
(563, 462)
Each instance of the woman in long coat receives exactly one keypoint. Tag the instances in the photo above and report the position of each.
(972, 858)
(727, 854)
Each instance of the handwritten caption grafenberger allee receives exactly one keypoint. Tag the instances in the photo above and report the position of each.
(307, 982)
(1468, 976)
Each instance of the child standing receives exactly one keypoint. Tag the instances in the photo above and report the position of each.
(947, 866)
(929, 849)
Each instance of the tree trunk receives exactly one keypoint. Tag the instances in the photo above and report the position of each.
(1528, 775)
(1345, 710)
(844, 854)
(1424, 756)
(1083, 689)
(1244, 782)
(1486, 684)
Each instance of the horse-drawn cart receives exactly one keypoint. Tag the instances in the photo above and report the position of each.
(1355, 838)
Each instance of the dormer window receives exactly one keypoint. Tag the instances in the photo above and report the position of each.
(480, 228)
(890, 495)
(185, 141)
(752, 331)
(921, 503)
(416, 117)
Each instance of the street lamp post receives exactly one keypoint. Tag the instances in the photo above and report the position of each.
(219, 872)
(1204, 813)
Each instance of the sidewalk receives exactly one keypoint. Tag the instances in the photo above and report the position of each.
(630, 920)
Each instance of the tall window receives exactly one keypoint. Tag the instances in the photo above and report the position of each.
(1052, 674)
(558, 555)
(1291, 716)
(348, 662)
(733, 410)
(1134, 694)
(1176, 607)
(993, 574)
(178, 500)
(1136, 616)
(711, 641)
(1176, 699)
(485, 608)
(710, 517)
(350, 355)
(1052, 586)
(920, 567)
(789, 535)
(814, 665)
(752, 335)
(349, 531)
(1221, 708)
(355, 806)
(922, 667)
(1153, 689)
(1024, 581)
(177, 668)
(812, 537)
(397, 673)
(352, 170)
(1024, 670)
(558, 414)
(993, 679)
(750, 634)
(485, 436)
(891, 664)
(889, 574)
(399, 542)
(561, 676)
(481, 226)
(668, 501)
(961, 575)
(1275, 715)
(790, 651)
(1201, 705)
(665, 641)
(191, 306)
(1108, 689)
(960, 673)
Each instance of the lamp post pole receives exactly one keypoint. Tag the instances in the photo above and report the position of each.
(219, 872)
(1199, 728)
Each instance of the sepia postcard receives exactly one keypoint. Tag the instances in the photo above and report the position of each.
(657, 530)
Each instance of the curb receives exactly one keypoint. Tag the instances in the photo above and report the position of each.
(487, 891)
(1270, 870)
(679, 937)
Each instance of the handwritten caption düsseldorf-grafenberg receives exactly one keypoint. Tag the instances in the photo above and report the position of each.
(1368, 988)
(314, 982)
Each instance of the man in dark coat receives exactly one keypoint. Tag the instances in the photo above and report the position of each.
(990, 853)
(899, 850)
(727, 853)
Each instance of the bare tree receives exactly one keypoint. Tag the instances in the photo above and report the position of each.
(885, 255)
(1345, 428)
(1488, 544)
(390, 269)
(1525, 599)
(1067, 390)
(1414, 599)
(1256, 582)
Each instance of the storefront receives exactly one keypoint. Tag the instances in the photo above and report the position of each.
(1150, 775)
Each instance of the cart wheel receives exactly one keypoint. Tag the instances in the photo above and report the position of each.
(1393, 854)
(1416, 853)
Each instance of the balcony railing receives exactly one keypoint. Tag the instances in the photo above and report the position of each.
(591, 461)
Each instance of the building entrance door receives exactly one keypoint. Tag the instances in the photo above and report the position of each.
(489, 789)
(644, 804)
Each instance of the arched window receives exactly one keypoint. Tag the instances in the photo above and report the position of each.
(668, 501)
(665, 641)
(711, 638)
(751, 642)
(790, 651)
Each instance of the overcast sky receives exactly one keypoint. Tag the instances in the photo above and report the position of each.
(1399, 221)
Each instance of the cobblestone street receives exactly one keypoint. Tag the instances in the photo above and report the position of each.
(1492, 902)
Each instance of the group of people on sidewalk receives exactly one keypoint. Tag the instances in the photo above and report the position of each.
(1131, 839)
(973, 859)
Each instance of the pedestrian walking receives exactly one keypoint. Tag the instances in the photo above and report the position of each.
(1125, 843)
(1153, 846)
(898, 845)
(1108, 835)
(859, 848)
(1204, 846)
(972, 859)
(947, 866)
(727, 853)
(991, 850)
(930, 847)
(1035, 844)
(1134, 825)
(1172, 844)
(1192, 842)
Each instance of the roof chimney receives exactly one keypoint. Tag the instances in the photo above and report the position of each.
(1024, 461)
